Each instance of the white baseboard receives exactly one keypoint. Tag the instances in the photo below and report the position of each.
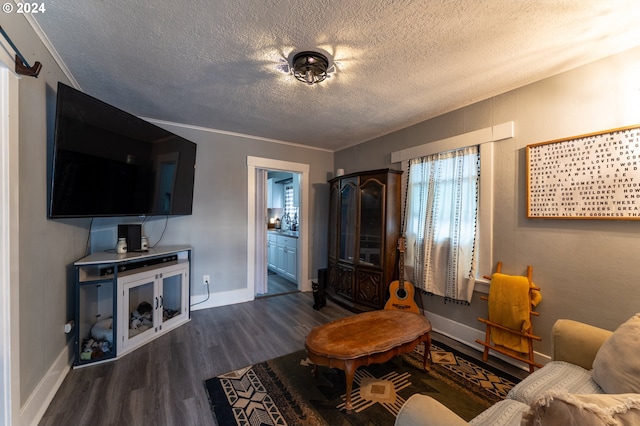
(468, 335)
(32, 411)
(232, 297)
(307, 285)
(221, 298)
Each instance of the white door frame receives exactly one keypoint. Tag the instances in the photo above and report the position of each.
(10, 403)
(254, 163)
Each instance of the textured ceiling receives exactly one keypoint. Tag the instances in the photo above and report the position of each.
(222, 64)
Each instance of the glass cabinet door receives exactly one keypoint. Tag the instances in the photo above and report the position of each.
(152, 302)
(371, 222)
(173, 297)
(334, 209)
(348, 219)
(138, 320)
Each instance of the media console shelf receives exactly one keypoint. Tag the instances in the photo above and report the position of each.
(123, 301)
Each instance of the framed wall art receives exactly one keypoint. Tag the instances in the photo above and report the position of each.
(592, 176)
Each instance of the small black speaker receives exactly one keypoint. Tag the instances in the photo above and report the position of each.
(323, 277)
(133, 235)
(319, 296)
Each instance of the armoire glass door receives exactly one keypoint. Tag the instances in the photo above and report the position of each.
(348, 219)
(371, 222)
(334, 209)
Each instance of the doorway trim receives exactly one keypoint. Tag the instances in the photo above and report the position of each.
(10, 403)
(254, 163)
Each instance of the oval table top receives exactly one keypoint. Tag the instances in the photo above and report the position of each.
(366, 333)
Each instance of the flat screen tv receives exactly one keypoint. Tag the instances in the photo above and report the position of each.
(107, 162)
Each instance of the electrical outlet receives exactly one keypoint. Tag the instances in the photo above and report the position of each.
(206, 280)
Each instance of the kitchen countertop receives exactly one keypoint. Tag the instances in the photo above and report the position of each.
(285, 233)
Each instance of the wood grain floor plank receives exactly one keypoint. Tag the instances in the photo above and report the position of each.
(162, 382)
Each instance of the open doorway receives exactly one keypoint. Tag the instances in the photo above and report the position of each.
(292, 244)
(283, 224)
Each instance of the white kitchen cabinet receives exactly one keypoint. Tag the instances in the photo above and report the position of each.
(282, 255)
(290, 263)
(288, 251)
(275, 194)
(272, 251)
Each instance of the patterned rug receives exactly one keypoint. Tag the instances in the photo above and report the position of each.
(282, 391)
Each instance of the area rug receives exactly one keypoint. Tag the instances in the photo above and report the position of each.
(282, 391)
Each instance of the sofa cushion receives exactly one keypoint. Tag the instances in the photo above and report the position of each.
(418, 408)
(564, 409)
(558, 376)
(507, 412)
(616, 367)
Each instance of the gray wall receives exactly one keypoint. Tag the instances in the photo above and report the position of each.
(46, 248)
(217, 230)
(587, 268)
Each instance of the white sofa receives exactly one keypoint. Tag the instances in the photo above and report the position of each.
(594, 378)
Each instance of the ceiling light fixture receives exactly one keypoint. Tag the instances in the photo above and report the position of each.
(310, 67)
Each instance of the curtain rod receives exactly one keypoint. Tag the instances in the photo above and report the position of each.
(22, 66)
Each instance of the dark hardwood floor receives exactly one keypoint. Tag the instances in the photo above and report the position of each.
(278, 285)
(161, 383)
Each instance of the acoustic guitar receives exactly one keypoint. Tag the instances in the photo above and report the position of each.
(402, 292)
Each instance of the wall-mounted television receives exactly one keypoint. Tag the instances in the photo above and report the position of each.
(107, 162)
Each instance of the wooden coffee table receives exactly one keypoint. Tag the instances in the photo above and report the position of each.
(367, 338)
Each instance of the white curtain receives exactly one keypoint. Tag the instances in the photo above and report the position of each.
(441, 223)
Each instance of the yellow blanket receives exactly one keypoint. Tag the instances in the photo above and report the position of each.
(510, 306)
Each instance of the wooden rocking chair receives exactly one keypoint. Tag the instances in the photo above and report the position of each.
(509, 329)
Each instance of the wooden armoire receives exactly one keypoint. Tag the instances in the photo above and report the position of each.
(364, 226)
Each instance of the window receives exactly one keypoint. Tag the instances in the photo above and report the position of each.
(486, 139)
(441, 222)
(289, 208)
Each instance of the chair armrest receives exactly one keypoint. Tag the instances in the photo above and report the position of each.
(422, 410)
(577, 342)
